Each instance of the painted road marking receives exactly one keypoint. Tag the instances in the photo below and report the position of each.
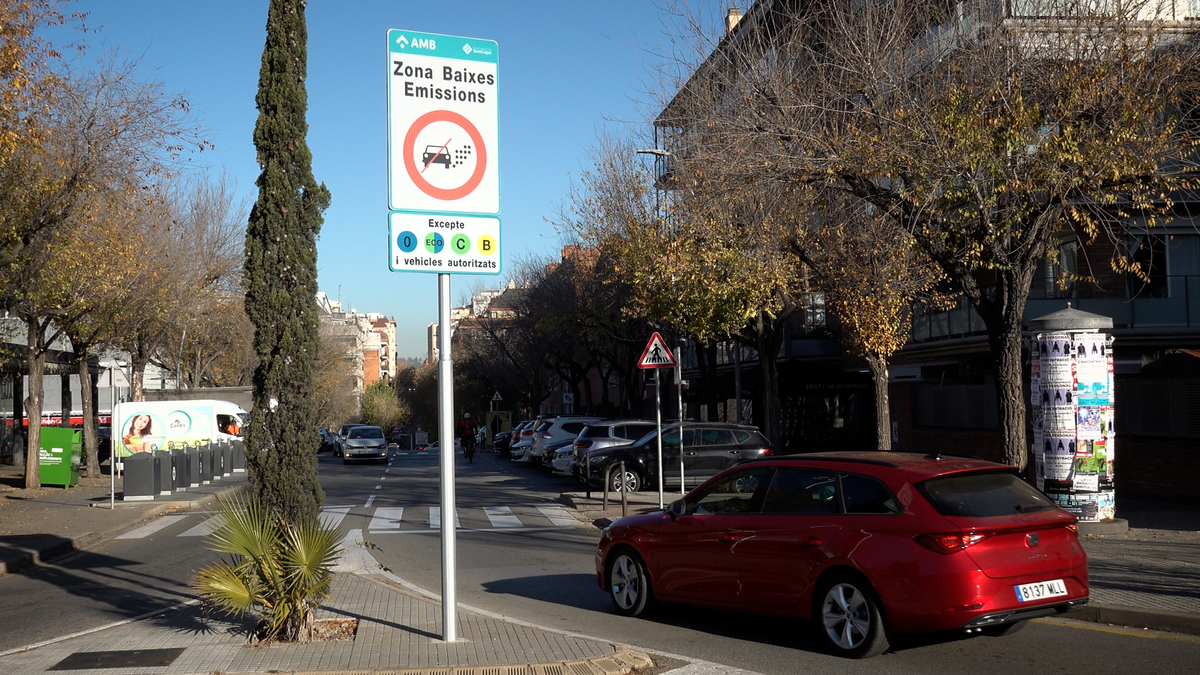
(558, 515)
(151, 527)
(369, 502)
(203, 529)
(435, 518)
(386, 518)
(502, 516)
(331, 516)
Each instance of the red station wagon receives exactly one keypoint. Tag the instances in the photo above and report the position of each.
(862, 543)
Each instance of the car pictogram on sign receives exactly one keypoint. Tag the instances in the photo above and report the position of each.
(435, 154)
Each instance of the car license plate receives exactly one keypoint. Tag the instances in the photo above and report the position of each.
(1040, 590)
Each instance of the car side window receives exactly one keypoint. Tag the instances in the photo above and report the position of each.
(573, 427)
(741, 436)
(636, 431)
(738, 492)
(716, 437)
(861, 494)
(802, 491)
(671, 438)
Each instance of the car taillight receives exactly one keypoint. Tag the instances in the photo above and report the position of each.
(582, 444)
(527, 433)
(949, 543)
(767, 452)
(1073, 528)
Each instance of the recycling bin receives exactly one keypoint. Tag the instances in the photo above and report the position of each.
(58, 458)
(239, 455)
(139, 477)
(205, 464)
(193, 467)
(164, 471)
(179, 469)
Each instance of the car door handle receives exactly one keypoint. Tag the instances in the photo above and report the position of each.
(689, 454)
(811, 542)
(735, 452)
(729, 538)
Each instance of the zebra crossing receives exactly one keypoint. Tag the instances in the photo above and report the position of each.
(397, 520)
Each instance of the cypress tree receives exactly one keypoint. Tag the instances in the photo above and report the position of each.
(281, 277)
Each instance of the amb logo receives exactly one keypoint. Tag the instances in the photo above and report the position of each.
(416, 43)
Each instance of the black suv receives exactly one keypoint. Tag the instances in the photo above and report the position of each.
(708, 449)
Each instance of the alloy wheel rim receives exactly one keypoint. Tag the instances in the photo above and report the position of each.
(846, 616)
(626, 583)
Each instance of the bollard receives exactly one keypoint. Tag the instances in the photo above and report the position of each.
(607, 476)
(624, 499)
(587, 476)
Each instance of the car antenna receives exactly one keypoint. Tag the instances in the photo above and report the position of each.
(936, 456)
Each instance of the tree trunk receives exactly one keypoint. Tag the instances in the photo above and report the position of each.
(18, 417)
(883, 416)
(767, 338)
(35, 360)
(86, 391)
(65, 400)
(707, 361)
(1005, 342)
(137, 372)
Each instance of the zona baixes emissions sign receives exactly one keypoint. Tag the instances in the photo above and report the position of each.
(443, 154)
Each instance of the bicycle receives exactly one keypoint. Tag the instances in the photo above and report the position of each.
(468, 446)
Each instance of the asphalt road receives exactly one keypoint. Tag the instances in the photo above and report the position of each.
(547, 577)
(522, 556)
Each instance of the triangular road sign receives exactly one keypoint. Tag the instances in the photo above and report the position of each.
(496, 397)
(657, 355)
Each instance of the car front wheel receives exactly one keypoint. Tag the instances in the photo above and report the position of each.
(628, 584)
(633, 482)
(849, 619)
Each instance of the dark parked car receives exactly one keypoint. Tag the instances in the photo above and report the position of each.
(863, 544)
(503, 440)
(605, 434)
(708, 448)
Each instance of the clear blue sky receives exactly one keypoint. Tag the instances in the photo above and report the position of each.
(567, 68)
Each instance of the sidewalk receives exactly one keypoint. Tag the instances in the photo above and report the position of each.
(1148, 577)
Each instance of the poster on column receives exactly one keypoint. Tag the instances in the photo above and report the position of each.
(1035, 382)
(1057, 383)
(1058, 459)
(1093, 387)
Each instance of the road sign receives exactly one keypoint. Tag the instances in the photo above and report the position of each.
(569, 399)
(497, 397)
(446, 244)
(656, 354)
(443, 153)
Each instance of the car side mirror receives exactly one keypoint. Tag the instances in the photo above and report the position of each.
(676, 508)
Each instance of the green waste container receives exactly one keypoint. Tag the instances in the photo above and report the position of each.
(58, 461)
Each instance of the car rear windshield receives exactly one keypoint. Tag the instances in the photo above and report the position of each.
(983, 495)
(595, 432)
(366, 432)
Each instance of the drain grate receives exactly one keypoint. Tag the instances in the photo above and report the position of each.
(130, 658)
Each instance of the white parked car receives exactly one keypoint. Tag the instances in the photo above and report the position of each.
(521, 450)
(557, 429)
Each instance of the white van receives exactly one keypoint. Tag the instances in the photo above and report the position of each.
(146, 426)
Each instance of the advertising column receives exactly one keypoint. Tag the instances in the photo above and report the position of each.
(1071, 397)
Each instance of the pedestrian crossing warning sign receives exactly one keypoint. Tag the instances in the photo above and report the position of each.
(656, 355)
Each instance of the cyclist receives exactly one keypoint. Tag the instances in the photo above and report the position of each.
(466, 432)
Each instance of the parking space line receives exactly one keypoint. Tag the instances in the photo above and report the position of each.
(557, 515)
(502, 516)
(386, 518)
(151, 527)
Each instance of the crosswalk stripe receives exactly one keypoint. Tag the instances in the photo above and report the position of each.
(435, 518)
(502, 516)
(151, 527)
(557, 515)
(331, 516)
(203, 529)
(387, 518)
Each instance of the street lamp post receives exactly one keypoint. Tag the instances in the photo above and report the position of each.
(112, 366)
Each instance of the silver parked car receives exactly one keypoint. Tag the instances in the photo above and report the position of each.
(558, 429)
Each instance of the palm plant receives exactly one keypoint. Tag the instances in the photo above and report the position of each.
(279, 569)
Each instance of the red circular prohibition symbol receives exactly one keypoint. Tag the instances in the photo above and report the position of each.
(410, 141)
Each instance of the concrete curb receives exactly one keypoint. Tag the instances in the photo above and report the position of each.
(621, 662)
(37, 557)
(1164, 620)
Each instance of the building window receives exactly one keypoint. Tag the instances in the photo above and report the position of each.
(1149, 253)
(1056, 278)
(814, 312)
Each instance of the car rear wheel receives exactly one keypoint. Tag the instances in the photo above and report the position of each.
(632, 480)
(628, 584)
(849, 619)
(1004, 629)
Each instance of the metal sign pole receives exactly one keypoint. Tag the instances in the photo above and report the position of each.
(658, 417)
(446, 460)
(679, 389)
